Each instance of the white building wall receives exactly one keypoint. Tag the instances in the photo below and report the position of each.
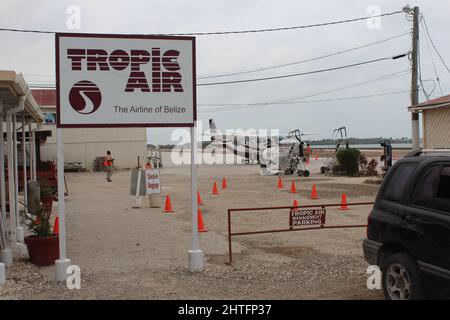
(84, 145)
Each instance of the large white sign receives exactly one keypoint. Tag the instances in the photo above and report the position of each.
(125, 81)
(152, 181)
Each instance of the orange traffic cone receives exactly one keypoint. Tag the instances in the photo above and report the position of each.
(56, 226)
(343, 202)
(280, 183)
(293, 188)
(314, 193)
(224, 183)
(215, 190)
(295, 203)
(317, 158)
(168, 206)
(201, 226)
(199, 199)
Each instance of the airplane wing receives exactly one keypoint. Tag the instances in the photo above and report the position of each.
(309, 133)
(289, 140)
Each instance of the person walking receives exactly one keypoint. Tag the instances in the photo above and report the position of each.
(308, 151)
(109, 160)
(148, 164)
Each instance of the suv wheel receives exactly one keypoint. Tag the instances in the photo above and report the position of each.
(401, 280)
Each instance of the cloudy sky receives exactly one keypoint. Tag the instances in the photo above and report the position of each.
(322, 98)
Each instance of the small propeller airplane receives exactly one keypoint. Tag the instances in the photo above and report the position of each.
(275, 154)
(290, 157)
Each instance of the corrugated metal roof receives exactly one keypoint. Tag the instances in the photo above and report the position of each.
(13, 89)
(441, 102)
(45, 97)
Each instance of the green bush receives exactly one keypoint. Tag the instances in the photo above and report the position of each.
(348, 159)
(38, 222)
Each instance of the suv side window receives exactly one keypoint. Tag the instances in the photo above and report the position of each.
(426, 186)
(398, 181)
(442, 200)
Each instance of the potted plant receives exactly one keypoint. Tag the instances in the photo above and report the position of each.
(42, 244)
(47, 165)
(47, 194)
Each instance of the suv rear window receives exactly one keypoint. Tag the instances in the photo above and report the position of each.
(398, 181)
(426, 187)
(433, 189)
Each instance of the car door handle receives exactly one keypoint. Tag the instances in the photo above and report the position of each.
(411, 217)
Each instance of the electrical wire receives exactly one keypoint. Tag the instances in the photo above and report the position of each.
(48, 79)
(301, 61)
(432, 60)
(51, 85)
(302, 73)
(305, 101)
(292, 99)
(235, 31)
(432, 43)
(419, 58)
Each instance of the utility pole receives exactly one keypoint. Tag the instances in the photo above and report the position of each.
(414, 84)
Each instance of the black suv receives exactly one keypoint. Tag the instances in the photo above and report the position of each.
(408, 230)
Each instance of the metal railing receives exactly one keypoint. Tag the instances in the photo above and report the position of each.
(290, 228)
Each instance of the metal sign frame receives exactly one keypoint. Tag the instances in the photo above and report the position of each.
(195, 255)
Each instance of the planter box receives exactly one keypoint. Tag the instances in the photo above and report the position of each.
(43, 251)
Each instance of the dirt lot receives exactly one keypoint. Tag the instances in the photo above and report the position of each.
(127, 253)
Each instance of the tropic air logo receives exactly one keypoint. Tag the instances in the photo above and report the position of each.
(163, 73)
(85, 97)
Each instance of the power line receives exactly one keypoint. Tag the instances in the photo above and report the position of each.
(302, 61)
(236, 31)
(302, 73)
(432, 60)
(52, 85)
(46, 78)
(292, 99)
(419, 59)
(243, 106)
(432, 43)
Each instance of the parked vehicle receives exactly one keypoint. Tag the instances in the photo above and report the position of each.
(408, 231)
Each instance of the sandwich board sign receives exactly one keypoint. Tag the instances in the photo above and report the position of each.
(124, 81)
(152, 181)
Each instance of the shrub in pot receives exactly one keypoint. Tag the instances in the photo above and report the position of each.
(47, 194)
(42, 244)
(46, 165)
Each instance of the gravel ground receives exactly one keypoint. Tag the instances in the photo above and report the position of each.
(310, 276)
(127, 253)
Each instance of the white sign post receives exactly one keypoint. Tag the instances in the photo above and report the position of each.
(125, 81)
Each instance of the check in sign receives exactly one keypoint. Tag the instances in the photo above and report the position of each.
(152, 181)
(125, 81)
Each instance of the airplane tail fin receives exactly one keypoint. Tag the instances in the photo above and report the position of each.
(212, 126)
(212, 129)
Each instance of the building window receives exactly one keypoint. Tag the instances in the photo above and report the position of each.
(50, 118)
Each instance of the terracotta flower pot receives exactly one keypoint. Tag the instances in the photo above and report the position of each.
(43, 251)
(47, 201)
